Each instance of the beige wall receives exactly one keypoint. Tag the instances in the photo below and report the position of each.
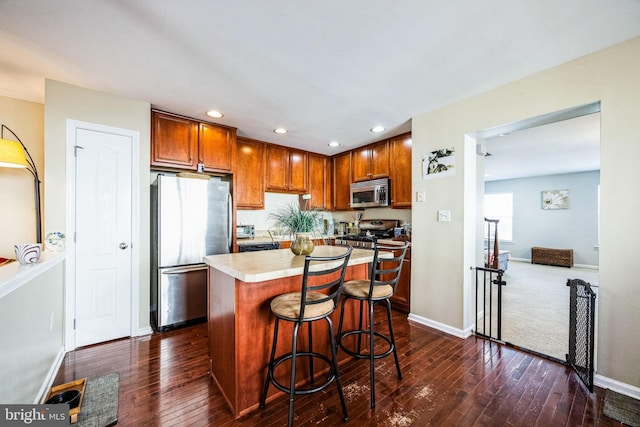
(17, 216)
(438, 276)
(62, 102)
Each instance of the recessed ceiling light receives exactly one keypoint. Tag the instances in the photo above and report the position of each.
(280, 130)
(377, 129)
(334, 144)
(215, 114)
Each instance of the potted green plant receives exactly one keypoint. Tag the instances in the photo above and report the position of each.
(299, 223)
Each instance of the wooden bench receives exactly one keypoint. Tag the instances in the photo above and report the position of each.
(549, 256)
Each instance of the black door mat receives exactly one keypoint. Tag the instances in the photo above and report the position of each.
(622, 408)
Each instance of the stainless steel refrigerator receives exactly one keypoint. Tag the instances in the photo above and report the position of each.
(190, 218)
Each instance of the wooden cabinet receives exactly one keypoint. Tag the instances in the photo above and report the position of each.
(370, 162)
(401, 298)
(342, 181)
(174, 141)
(216, 146)
(181, 143)
(277, 168)
(401, 193)
(298, 171)
(320, 178)
(249, 174)
(287, 169)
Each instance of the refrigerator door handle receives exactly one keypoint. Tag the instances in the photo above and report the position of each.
(230, 225)
(182, 269)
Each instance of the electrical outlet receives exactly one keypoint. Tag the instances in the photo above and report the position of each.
(420, 196)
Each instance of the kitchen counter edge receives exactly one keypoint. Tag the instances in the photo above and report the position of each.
(268, 265)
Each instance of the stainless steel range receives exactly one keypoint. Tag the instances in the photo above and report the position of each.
(370, 231)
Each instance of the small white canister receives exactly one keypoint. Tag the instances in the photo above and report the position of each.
(28, 253)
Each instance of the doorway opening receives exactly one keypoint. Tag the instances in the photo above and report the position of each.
(558, 155)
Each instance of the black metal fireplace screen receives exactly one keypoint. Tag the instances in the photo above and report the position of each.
(582, 304)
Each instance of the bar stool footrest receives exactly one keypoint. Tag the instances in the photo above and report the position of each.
(331, 376)
(361, 355)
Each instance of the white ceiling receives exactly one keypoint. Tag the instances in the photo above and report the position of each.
(326, 70)
(565, 146)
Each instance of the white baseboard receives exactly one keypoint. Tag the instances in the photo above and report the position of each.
(144, 331)
(587, 266)
(460, 333)
(51, 376)
(622, 388)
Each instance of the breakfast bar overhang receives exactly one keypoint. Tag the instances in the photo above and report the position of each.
(240, 326)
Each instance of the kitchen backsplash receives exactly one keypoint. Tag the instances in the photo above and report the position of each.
(260, 218)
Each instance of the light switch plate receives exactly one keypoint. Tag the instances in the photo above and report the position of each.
(420, 196)
(444, 216)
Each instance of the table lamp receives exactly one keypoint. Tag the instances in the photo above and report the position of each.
(13, 154)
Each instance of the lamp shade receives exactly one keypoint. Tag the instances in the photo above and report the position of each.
(12, 155)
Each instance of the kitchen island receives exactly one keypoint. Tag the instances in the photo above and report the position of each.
(240, 323)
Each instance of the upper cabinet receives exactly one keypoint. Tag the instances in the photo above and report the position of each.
(287, 169)
(216, 146)
(174, 141)
(401, 171)
(182, 143)
(371, 162)
(342, 181)
(320, 178)
(298, 170)
(249, 174)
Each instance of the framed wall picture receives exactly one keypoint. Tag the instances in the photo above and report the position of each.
(439, 163)
(555, 199)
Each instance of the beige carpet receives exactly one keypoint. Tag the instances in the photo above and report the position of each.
(536, 306)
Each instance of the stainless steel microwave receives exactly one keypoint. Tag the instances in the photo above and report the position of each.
(245, 231)
(370, 194)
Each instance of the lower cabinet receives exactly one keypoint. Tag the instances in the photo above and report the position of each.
(401, 299)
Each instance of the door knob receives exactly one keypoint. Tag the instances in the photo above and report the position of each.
(123, 246)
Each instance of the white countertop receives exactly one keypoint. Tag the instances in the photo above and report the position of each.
(267, 265)
(14, 274)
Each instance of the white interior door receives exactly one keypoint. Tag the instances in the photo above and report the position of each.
(103, 226)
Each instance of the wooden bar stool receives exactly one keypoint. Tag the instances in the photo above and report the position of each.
(379, 288)
(322, 283)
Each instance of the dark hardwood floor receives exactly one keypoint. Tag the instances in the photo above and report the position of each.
(446, 381)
